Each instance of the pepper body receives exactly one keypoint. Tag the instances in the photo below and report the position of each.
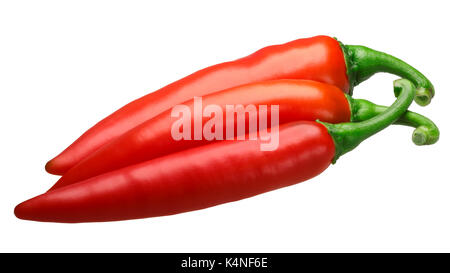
(318, 58)
(189, 180)
(297, 100)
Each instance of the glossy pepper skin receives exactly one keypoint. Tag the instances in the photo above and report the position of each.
(209, 175)
(297, 100)
(189, 180)
(319, 58)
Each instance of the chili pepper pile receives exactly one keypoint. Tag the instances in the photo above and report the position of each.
(129, 166)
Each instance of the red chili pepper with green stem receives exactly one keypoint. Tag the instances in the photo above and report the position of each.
(297, 100)
(320, 58)
(212, 174)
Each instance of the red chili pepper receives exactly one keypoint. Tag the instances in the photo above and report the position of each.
(296, 99)
(212, 174)
(319, 58)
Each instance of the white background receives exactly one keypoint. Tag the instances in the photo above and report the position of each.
(64, 65)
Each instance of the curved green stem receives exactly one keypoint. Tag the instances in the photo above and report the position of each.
(426, 132)
(349, 135)
(363, 62)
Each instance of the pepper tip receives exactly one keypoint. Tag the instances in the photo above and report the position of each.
(55, 168)
(19, 211)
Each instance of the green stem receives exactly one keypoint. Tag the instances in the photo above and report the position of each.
(349, 135)
(426, 132)
(363, 62)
